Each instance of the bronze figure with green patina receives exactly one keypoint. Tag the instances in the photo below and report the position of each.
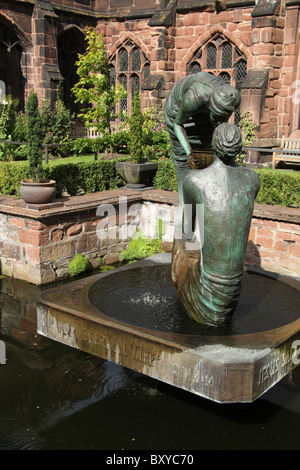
(209, 280)
(195, 106)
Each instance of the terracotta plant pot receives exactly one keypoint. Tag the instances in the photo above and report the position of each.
(38, 192)
(137, 173)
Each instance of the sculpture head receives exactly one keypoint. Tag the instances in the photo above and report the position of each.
(222, 103)
(227, 141)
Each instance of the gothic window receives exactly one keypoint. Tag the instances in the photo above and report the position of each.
(195, 67)
(112, 82)
(211, 56)
(10, 64)
(226, 56)
(223, 59)
(136, 60)
(135, 85)
(70, 44)
(130, 66)
(123, 60)
(124, 101)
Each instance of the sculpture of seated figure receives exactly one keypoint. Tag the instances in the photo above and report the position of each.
(209, 284)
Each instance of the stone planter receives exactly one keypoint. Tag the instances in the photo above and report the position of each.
(38, 192)
(137, 175)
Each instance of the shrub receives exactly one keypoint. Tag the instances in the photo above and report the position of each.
(141, 247)
(70, 177)
(278, 187)
(7, 124)
(136, 148)
(35, 137)
(78, 265)
(56, 125)
(165, 177)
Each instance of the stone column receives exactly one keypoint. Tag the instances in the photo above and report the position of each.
(46, 75)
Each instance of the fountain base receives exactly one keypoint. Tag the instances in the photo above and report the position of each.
(238, 363)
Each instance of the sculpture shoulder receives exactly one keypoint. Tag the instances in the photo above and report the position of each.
(253, 176)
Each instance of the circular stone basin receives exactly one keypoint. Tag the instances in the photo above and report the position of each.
(146, 297)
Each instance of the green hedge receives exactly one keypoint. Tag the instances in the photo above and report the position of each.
(278, 187)
(70, 177)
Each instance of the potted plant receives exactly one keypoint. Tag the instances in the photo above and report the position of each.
(138, 172)
(36, 190)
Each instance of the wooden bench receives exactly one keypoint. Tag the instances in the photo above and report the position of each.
(289, 151)
(81, 132)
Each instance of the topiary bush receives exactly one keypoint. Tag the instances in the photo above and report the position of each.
(70, 177)
(278, 187)
(78, 265)
(35, 137)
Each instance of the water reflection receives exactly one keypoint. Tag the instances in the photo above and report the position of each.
(55, 397)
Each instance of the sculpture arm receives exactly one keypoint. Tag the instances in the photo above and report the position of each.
(189, 106)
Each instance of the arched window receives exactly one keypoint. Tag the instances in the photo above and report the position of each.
(123, 60)
(130, 66)
(124, 101)
(211, 57)
(135, 85)
(70, 44)
(10, 64)
(223, 59)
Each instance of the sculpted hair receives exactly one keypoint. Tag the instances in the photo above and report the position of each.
(227, 141)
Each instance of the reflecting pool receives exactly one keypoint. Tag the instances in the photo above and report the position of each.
(53, 397)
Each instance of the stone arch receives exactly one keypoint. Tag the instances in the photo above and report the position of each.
(14, 44)
(70, 43)
(24, 39)
(125, 37)
(208, 36)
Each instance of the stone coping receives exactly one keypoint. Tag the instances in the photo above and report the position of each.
(17, 207)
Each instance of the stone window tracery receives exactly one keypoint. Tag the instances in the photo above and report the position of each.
(223, 59)
(128, 66)
(10, 64)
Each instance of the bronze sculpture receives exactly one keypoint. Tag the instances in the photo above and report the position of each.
(208, 282)
(194, 107)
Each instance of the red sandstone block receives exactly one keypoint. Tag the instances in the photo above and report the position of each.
(286, 262)
(185, 31)
(281, 246)
(34, 237)
(265, 223)
(264, 232)
(33, 254)
(246, 38)
(17, 222)
(284, 236)
(260, 49)
(194, 19)
(294, 250)
(297, 237)
(185, 42)
(74, 230)
(57, 235)
(252, 233)
(268, 264)
(36, 225)
(265, 254)
(264, 242)
(289, 227)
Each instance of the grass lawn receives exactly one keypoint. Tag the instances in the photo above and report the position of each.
(62, 161)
